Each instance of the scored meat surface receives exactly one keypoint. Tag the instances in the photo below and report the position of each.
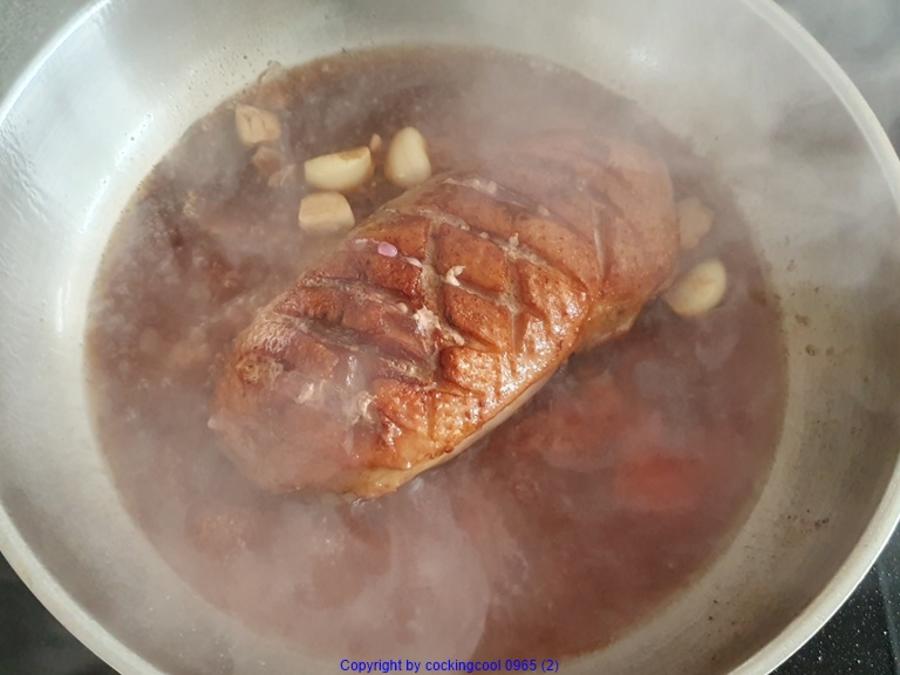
(443, 312)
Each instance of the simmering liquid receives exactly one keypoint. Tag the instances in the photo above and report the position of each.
(601, 498)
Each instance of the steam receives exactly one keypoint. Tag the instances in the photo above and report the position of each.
(510, 533)
(862, 38)
(397, 574)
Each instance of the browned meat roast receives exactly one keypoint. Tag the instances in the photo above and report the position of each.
(443, 312)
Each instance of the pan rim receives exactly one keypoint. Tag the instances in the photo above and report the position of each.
(886, 518)
(806, 623)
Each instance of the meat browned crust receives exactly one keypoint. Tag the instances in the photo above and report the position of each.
(443, 312)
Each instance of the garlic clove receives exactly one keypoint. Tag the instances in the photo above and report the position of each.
(699, 290)
(325, 213)
(255, 125)
(695, 220)
(407, 162)
(339, 171)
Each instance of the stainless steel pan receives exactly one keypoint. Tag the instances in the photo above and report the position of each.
(113, 88)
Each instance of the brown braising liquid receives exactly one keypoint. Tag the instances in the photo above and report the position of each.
(572, 521)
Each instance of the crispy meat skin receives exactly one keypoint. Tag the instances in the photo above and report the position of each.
(373, 368)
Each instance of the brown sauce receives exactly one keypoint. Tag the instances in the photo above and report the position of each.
(571, 522)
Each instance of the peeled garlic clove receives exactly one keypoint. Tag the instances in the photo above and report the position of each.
(325, 213)
(698, 291)
(339, 171)
(407, 162)
(695, 220)
(375, 143)
(255, 125)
